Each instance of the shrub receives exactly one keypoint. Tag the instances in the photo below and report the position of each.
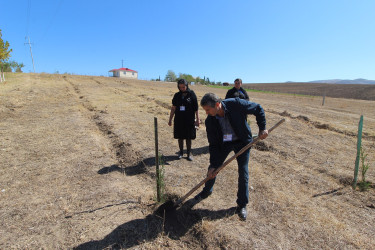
(363, 184)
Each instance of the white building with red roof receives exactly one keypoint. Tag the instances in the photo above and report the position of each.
(124, 72)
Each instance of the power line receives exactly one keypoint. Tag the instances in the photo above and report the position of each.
(52, 20)
(32, 59)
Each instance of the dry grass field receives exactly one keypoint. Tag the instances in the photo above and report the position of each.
(349, 91)
(77, 171)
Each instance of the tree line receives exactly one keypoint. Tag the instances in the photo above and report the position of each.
(172, 77)
(12, 66)
(5, 64)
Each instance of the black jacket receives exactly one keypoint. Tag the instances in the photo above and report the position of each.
(233, 93)
(236, 109)
(184, 120)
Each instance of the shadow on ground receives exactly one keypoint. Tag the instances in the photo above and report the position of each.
(141, 166)
(175, 225)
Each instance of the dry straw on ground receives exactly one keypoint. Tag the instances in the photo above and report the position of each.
(77, 170)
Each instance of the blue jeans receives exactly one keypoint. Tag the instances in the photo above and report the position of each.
(243, 171)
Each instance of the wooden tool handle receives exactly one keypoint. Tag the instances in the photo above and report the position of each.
(226, 163)
(247, 147)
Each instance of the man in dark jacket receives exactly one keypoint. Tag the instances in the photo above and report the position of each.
(228, 130)
(237, 91)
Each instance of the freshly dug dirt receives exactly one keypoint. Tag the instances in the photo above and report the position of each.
(78, 171)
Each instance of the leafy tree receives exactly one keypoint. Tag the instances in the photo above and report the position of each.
(198, 79)
(4, 49)
(19, 67)
(170, 76)
(4, 54)
(6, 67)
(12, 66)
(187, 77)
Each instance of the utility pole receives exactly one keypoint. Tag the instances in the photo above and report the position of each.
(122, 63)
(32, 59)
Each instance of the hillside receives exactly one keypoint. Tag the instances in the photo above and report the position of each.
(340, 81)
(77, 171)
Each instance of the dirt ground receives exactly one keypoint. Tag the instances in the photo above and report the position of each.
(78, 171)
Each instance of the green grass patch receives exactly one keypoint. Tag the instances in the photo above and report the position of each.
(363, 184)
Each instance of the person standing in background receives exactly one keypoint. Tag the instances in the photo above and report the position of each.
(237, 91)
(186, 119)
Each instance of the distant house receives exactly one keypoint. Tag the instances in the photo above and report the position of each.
(124, 72)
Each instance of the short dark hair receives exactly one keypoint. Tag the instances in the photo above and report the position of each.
(238, 80)
(210, 99)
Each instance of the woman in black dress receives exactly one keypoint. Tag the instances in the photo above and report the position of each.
(186, 118)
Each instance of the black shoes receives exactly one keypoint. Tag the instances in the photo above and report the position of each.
(189, 157)
(180, 155)
(242, 213)
(201, 196)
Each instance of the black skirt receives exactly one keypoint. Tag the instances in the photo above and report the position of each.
(184, 127)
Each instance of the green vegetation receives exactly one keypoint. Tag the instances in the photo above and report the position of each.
(12, 66)
(363, 184)
(221, 87)
(4, 55)
(5, 65)
(4, 50)
(172, 77)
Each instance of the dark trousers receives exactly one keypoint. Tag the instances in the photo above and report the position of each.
(243, 171)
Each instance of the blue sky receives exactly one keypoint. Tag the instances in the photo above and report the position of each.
(258, 41)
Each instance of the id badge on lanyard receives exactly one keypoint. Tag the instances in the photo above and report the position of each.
(227, 137)
(182, 108)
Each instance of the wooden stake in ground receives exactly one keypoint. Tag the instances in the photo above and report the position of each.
(359, 142)
(158, 193)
